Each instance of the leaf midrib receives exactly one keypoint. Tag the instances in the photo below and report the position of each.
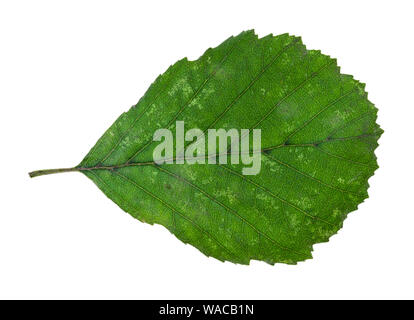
(263, 150)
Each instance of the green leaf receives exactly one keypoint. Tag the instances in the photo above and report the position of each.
(318, 136)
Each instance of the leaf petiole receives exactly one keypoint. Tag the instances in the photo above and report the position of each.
(51, 171)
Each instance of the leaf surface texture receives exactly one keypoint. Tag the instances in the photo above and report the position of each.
(318, 135)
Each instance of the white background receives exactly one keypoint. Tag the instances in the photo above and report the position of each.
(69, 68)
